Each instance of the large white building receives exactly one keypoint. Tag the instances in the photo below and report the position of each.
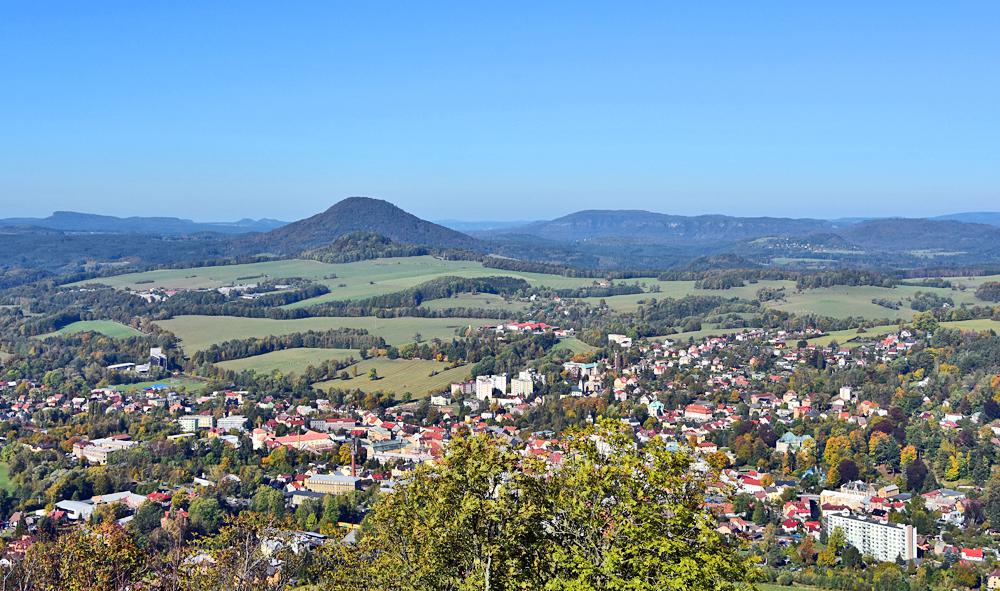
(486, 384)
(884, 541)
(522, 387)
(191, 423)
(232, 423)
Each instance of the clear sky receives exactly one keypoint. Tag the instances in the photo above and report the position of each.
(500, 110)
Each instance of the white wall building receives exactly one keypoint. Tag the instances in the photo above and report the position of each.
(522, 387)
(885, 542)
(486, 384)
(232, 423)
(191, 423)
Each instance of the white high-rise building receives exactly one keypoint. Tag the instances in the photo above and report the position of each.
(884, 541)
(486, 384)
(522, 387)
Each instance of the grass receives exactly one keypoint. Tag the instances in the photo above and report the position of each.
(5, 483)
(288, 360)
(836, 302)
(399, 376)
(575, 345)
(200, 332)
(347, 281)
(848, 339)
(487, 301)
(851, 338)
(773, 587)
(115, 330)
(184, 383)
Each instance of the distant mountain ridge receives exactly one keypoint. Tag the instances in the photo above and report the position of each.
(356, 215)
(663, 228)
(72, 221)
(975, 217)
(361, 227)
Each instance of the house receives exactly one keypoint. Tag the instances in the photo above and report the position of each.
(335, 484)
(972, 554)
(790, 442)
(993, 580)
(191, 423)
(697, 412)
(76, 510)
(310, 440)
(98, 451)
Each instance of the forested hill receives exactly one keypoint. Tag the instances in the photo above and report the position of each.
(351, 216)
(72, 221)
(666, 229)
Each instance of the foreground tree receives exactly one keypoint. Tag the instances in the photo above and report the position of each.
(613, 516)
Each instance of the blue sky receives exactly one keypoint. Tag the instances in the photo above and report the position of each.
(503, 110)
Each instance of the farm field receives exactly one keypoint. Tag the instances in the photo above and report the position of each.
(680, 289)
(109, 328)
(837, 302)
(200, 332)
(844, 301)
(212, 277)
(346, 280)
(486, 301)
(970, 283)
(171, 383)
(575, 345)
(288, 360)
(399, 376)
(843, 337)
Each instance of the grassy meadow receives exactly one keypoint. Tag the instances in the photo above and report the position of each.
(288, 360)
(109, 328)
(485, 301)
(399, 376)
(575, 345)
(200, 332)
(179, 383)
(346, 280)
(852, 338)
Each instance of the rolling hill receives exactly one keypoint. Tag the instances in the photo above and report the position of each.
(662, 228)
(352, 216)
(72, 221)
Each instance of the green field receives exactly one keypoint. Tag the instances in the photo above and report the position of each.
(346, 281)
(200, 332)
(5, 483)
(575, 345)
(400, 376)
(109, 328)
(837, 302)
(487, 301)
(171, 383)
(288, 360)
(845, 337)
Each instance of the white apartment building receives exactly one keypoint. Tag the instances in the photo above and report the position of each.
(191, 423)
(884, 541)
(522, 387)
(232, 423)
(486, 384)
